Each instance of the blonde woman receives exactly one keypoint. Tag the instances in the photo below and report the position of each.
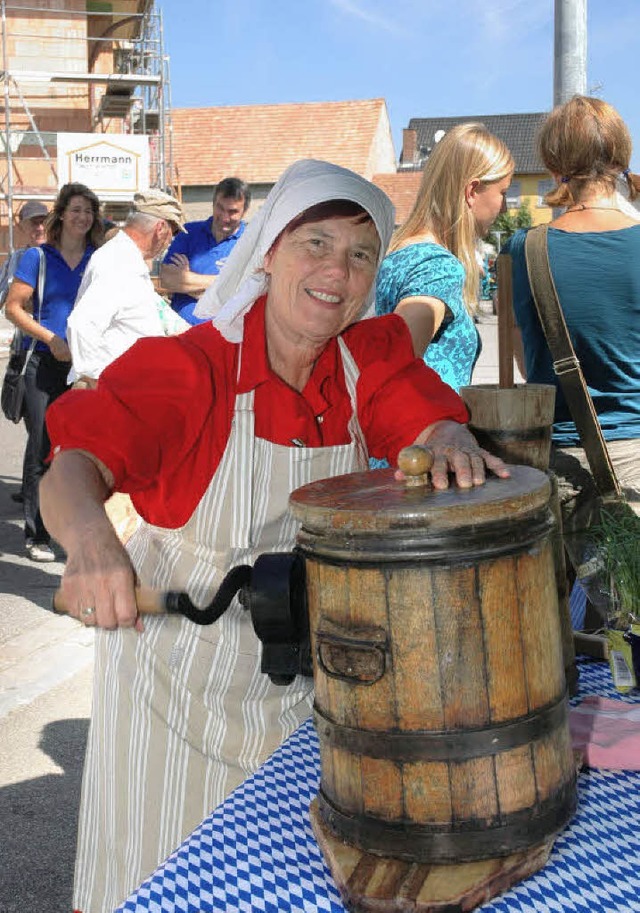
(431, 276)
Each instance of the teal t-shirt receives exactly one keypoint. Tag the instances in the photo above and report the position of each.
(597, 277)
(427, 269)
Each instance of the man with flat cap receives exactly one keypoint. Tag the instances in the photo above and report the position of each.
(117, 303)
(31, 233)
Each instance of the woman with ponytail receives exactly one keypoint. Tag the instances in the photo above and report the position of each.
(594, 255)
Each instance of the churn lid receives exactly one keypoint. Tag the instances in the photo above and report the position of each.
(372, 516)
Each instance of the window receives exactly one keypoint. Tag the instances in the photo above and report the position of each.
(513, 195)
(544, 187)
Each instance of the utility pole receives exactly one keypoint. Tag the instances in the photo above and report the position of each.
(570, 50)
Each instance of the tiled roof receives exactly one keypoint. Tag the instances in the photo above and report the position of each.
(402, 190)
(517, 131)
(257, 142)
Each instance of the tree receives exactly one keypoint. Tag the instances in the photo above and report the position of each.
(508, 222)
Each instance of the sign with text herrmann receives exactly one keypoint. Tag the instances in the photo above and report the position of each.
(113, 165)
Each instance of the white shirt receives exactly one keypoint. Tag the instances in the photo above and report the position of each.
(116, 305)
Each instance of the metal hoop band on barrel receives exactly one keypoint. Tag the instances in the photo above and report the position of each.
(421, 745)
(424, 844)
(502, 436)
(467, 544)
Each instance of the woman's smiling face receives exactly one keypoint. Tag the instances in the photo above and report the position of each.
(320, 275)
(78, 216)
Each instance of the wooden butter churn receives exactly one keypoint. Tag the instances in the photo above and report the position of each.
(440, 691)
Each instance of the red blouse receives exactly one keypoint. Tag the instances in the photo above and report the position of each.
(161, 415)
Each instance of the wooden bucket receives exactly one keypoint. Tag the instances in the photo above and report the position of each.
(515, 422)
(440, 693)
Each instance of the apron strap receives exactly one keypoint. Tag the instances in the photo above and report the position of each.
(351, 375)
(243, 421)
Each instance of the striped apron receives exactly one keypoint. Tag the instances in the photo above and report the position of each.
(182, 714)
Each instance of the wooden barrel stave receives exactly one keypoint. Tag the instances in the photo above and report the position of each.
(540, 626)
(463, 674)
(412, 635)
(368, 608)
(504, 655)
(383, 789)
(515, 774)
(553, 761)
(338, 766)
(429, 795)
(381, 784)
(474, 794)
(346, 770)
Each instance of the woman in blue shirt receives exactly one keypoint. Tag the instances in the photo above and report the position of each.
(594, 255)
(431, 275)
(74, 230)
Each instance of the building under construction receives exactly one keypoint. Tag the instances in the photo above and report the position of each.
(79, 67)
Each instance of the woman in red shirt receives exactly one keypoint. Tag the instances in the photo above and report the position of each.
(209, 433)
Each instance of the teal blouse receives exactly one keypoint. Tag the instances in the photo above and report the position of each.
(597, 277)
(427, 269)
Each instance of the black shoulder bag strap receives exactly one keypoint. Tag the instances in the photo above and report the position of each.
(566, 365)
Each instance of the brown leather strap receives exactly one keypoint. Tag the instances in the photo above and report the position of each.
(565, 364)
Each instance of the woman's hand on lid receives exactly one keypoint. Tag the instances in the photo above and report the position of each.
(456, 451)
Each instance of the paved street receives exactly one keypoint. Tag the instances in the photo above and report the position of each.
(45, 670)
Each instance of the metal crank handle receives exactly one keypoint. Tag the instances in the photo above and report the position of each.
(155, 602)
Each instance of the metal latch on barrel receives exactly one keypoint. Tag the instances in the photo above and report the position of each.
(358, 655)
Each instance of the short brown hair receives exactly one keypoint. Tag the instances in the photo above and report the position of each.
(329, 209)
(585, 141)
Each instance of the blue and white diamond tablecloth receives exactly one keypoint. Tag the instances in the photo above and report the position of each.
(256, 852)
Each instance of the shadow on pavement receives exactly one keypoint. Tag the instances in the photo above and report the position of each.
(39, 826)
(11, 520)
(29, 582)
(21, 577)
(10, 485)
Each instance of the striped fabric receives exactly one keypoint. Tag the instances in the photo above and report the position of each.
(182, 714)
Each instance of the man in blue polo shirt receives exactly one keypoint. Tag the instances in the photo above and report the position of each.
(194, 260)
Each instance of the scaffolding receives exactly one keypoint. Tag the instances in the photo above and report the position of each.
(85, 66)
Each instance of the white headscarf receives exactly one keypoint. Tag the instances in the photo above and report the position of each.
(302, 185)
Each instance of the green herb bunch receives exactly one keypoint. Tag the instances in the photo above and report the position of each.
(618, 541)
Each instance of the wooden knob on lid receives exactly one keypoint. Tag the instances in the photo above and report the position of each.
(415, 462)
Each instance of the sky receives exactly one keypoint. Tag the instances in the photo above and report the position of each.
(426, 58)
